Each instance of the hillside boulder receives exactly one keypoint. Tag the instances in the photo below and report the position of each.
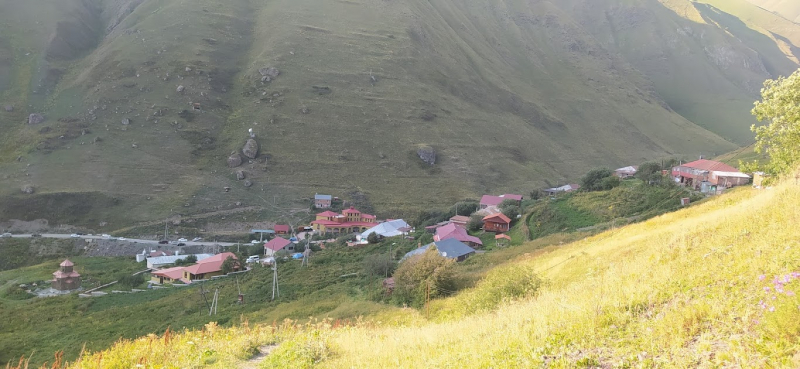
(125, 121)
(271, 72)
(427, 154)
(247, 183)
(250, 149)
(240, 175)
(35, 118)
(180, 88)
(28, 189)
(9, 108)
(234, 160)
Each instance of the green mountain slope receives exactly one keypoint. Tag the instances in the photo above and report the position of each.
(511, 95)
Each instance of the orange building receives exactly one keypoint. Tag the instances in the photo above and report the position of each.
(350, 220)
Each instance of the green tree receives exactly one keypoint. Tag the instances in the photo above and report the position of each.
(428, 274)
(511, 212)
(380, 265)
(229, 265)
(593, 181)
(780, 137)
(475, 223)
(189, 260)
(646, 170)
(373, 238)
(609, 182)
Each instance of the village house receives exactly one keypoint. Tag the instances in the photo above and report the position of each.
(322, 201)
(282, 229)
(497, 223)
(65, 278)
(562, 189)
(489, 200)
(708, 176)
(389, 228)
(170, 275)
(158, 262)
(349, 221)
(277, 244)
(502, 240)
(626, 172)
(457, 232)
(460, 220)
(207, 268)
(450, 248)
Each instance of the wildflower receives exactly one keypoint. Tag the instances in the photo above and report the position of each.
(771, 308)
(762, 277)
(789, 293)
(766, 289)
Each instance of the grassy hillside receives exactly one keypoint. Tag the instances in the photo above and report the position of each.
(592, 211)
(510, 94)
(631, 297)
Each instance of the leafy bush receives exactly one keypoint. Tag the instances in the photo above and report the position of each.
(427, 275)
(379, 265)
(647, 169)
(475, 223)
(131, 281)
(593, 181)
(373, 238)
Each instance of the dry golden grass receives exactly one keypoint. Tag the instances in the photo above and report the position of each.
(709, 286)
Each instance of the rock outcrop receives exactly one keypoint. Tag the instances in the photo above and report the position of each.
(234, 160)
(250, 149)
(35, 118)
(427, 154)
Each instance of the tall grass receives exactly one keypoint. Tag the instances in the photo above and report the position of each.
(710, 286)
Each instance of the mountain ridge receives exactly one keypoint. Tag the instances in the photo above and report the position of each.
(511, 95)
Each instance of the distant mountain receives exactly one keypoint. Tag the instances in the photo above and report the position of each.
(145, 101)
(789, 9)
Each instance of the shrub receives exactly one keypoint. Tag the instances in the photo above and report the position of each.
(130, 281)
(475, 223)
(646, 170)
(593, 181)
(427, 275)
(373, 238)
(379, 265)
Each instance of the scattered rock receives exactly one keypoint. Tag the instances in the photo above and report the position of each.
(180, 88)
(247, 183)
(428, 116)
(269, 72)
(210, 41)
(305, 110)
(427, 154)
(250, 149)
(240, 175)
(35, 118)
(188, 69)
(234, 160)
(126, 121)
(28, 189)
(9, 108)
(238, 203)
(322, 90)
(265, 79)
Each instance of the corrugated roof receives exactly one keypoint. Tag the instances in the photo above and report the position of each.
(322, 197)
(710, 165)
(282, 228)
(161, 260)
(171, 273)
(498, 216)
(277, 243)
(210, 265)
(731, 174)
(454, 231)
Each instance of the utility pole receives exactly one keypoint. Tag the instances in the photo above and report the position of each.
(427, 299)
(391, 256)
(165, 229)
(275, 289)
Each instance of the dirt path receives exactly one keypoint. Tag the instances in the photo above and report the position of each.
(254, 361)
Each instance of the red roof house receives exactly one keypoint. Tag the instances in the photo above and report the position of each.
(694, 174)
(274, 245)
(489, 200)
(167, 275)
(452, 230)
(207, 268)
(282, 229)
(496, 223)
(350, 220)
